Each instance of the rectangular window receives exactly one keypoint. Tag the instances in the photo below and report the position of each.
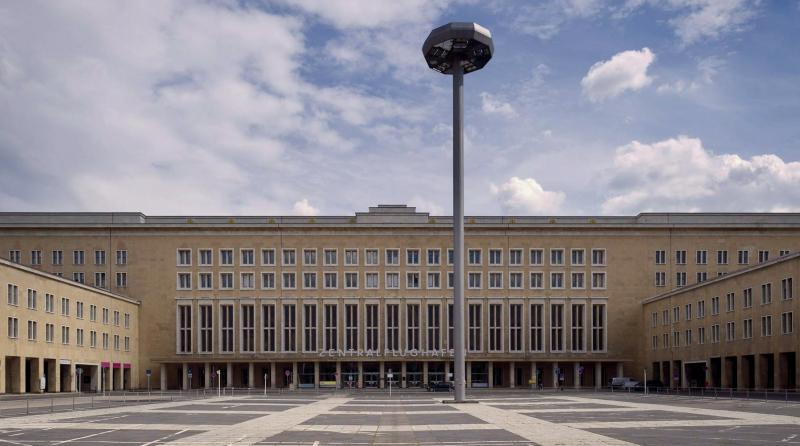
(31, 330)
(331, 327)
(598, 257)
(93, 313)
(556, 256)
(715, 334)
(371, 257)
(578, 281)
(330, 280)
(14, 256)
(309, 281)
(495, 327)
(331, 257)
(226, 328)
(474, 257)
(248, 257)
(434, 327)
(49, 328)
(184, 329)
(556, 327)
(680, 257)
(475, 338)
(184, 281)
(392, 256)
(392, 280)
(434, 257)
(577, 257)
(122, 280)
(701, 335)
(371, 327)
(515, 280)
(434, 281)
(787, 323)
(78, 277)
(701, 257)
(36, 257)
(730, 331)
(744, 257)
(289, 328)
(206, 257)
(58, 257)
(786, 289)
(412, 256)
(515, 257)
(351, 327)
(730, 302)
(268, 327)
(65, 335)
(702, 276)
(412, 327)
(680, 278)
(289, 257)
(64, 306)
(715, 305)
(247, 320)
(77, 257)
(268, 257)
(184, 257)
(766, 325)
(495, 257)
(226, 257)
(722, 257)
(289, 281)
(747, 297)
(537, 257)
(556, 280)
(661, 278)
(13, 327)
(31, 299)
(310, 257)
(309, 327)
(79, 310)
(598, 281)
(351, 257)
(206, 329)
(515, 327)
(598, 327)
(247, 281)
(495, 280)
(763, 256)
(392, 327)
(351, 280)
(537, 280)
(474, 281)
(412, 280)
(268, 281)
(100, 280)
(766, 293)
(661, 257)
(747, 332)
(13, 295)
(577, 324)
(371, 281)
(450, 279)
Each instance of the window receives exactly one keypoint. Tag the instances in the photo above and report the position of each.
(79, 310)
(105, 316)
(434, 327)
(49, 329)
(184, 281)
(701, 335)
(537, 280)
(661, 278)
(434, 281)
(206, 329)
(515, 327)
(474, 257)
(392, 256)
(58, 257)
(13, 295)
(351, 280)
(122, 280)
(680, 278)
(475, 338)
(371, 257)
(127, 344)
(309, 281)
(412, 280)
(730, 302)
(786, 289)
(105, 341)
(556, 280)
(688, 312)
(49, 303)
(578, 325)
(433, 257)
(289, 328)
(268, 257)
(747, 297)
(412, 327)
(715, 305)
(495, 327)
(495, 257)
(100, 280)
(331, 327)
(730, 331)
(184, 329)
(783, 252)
(676, 315)
(310, 257)
(556, 256)
(248, 257)
(226, 328)
(537, 328)
(665, 317)
(654, 322)
(289, 281)
(226, 257)
(127, 320)
(14, 256)
(474, 281)
(31, 299)
(766, 325)
(537, 257)
(412, 256)
(371, 281)
(577, 257)
(515, 257)
(351, 257)
(654, 343)
(392, 281)
(747, 332)
(36, 257)
(64, 306)
(495, 280)
(351, 327)
(122, 257)
(661, 257)
(701, 257)
(744, 257)
(93, 313)
(450, 279)
(77, 257)
(763, 256)
(392, 327)
(715, 334)
(78, 277)
(309, 327)
(64, 335)
(450, 256)
(515, 280)
(31, 330)
(331, 257)
(13, 327)
(702, 276)
(184, 257)
(578, 281)
(680, 257)
(766, 293)
(330, 280)
(268, 281)
(289, 257)
(556, 327)
(722, 257)
(598, 281)
(371, 327)
(787, 323)
(598, 327)
(598, 257)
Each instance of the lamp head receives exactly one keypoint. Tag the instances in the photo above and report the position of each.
(468, 43)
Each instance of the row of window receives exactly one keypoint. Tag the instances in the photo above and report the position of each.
(99, 279)
(701, 256)
(413, 280)
(413, 256)
(362, 328)
(685, 339)
(65, 307)
(78, 257)
(49, 335)
(787, 293)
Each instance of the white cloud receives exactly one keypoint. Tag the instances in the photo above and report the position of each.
(345, 14)
(490, 104)
(303, 207)
(624, 71)
(544, 19)
(679, 174)
(527, 196)
(710, 19)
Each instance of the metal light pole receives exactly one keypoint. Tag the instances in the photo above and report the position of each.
(458, 48)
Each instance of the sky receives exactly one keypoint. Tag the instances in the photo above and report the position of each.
(326, 107)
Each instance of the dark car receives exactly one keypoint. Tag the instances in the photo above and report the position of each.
(440, 386)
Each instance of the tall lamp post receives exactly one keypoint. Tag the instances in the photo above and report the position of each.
(456, 49)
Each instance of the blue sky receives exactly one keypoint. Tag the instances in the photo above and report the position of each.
(326, 107)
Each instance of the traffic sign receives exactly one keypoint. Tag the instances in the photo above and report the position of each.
(148, 372)
(78, 370)
(189, 372)
(288, 373)
(390, 375)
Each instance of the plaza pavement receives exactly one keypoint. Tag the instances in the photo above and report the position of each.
(414, 417)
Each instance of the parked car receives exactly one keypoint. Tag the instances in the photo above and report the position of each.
(440, 386)
(624, 382)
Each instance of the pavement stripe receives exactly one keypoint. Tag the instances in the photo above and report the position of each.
(372, 428)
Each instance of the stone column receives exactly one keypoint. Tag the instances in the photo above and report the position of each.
(316, 374)
(56, 376)
(273, 377)
(37, 374)
(490, 375)
(759, 383)
(741, 379)
(576, 375)
(620, 369)
(207, 375)
(162, 375)
(360, 375)
(598, 375)
(684, 381)
(338, 374)
(72, 377)
(447, 371)
(556, 373)
(3, 371)
(185, 376)
(512, 375)
(95, 373)
(382, 376)
(425, 374)
(229, 378)
(20, 375)
(533, 374)
(468, 372)
(707, 376)
(295, 376)
(403, 370)
(251, 375)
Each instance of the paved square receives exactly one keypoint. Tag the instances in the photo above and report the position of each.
(414, 417)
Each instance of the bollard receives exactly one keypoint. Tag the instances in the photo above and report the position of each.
(27, 407)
